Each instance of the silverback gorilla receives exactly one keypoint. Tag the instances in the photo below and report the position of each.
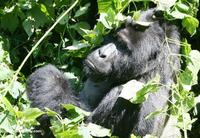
(134, 52)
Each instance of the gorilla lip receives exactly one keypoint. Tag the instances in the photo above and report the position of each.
(90, 64)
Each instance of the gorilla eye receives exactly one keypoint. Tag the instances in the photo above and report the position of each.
(138, 27)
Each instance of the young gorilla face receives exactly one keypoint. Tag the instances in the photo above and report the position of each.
(131, 52)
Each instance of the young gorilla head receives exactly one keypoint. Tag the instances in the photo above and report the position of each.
(132, 51)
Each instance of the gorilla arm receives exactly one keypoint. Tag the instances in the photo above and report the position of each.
(48, 87)
(93, 92)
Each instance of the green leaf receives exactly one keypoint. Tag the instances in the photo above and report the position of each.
(111, 16)
(82, 10)
(186, 48)
(8, 105)
(108, 19)
(103, 20)
(182, 7)
(136, 15)
(64, 20)
(31, 114)
(29, 26)
(38, 16)
(80, 27)
(83, 131)
(16, 89)
(177, 15)
(5, 72)
(186, 77)
(5, 124)
(50, 112)
(74, 111)
(194, 65)
(189, 101)
(143, 93)
(145, 24)
(98, 131)
(164, 5)
(185, 122)
(9, 21)
(130, 89)
(190, 23)
(77, 46)
(73, 133)
(94, 130)
(104, 5)
(44, 9)
(24, 4)
(157, 112)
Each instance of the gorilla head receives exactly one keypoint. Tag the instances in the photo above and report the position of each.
(131, 52)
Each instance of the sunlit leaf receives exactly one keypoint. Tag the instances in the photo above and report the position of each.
(31, 114)
(157, 112)
(75, 110)
(80, 27)
(190, 23)
(44, 9)
(143, 93)
(50, 112)
(182, 7)
(164, 4)
(194, 65)
(186, 79)
(5, 72)
(5, 124)
(82, 10)
(94, 130)
(104, 5)
(16, 89)
(77, 46)
(8, 105)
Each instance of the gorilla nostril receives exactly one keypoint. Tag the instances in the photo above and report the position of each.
(101, 54)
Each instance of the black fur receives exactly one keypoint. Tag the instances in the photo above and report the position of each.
(132, 53)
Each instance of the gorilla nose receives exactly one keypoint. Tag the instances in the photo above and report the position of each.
(102, 54)
(107, 51)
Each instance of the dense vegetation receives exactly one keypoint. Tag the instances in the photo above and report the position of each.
(62, 32)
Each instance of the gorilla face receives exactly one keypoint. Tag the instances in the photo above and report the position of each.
(101, 60)
(132, 51)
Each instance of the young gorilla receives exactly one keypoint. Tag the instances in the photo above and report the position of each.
(135, 52)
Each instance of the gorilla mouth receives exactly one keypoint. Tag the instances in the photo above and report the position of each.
(90, 64)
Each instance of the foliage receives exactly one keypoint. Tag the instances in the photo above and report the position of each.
(23, 23)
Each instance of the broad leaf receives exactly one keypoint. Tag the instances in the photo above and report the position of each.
(82, 10)
(31, 114)
(190, 23)
(9, 21)
(8, 105)
(194, 65)
(29, 26)
(104, 5)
